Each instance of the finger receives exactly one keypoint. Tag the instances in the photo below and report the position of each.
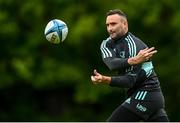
(93, 79)
(150, 55)
(94, 82)
(145, 49)
(150, 49)
(152, 52)
(147, 53)
(97, 78)
(95, 71)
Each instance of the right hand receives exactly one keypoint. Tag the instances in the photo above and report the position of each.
(98, 78)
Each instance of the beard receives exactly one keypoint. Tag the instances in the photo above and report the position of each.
(116, 36)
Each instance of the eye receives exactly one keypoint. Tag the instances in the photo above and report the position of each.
(107, 25)
(112, 24)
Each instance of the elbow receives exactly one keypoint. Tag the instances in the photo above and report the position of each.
(130, 85)
(111, 68)
(132, 80)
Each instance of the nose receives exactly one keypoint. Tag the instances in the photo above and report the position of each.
(109, 28)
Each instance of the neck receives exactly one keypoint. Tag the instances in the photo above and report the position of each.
(120, 37)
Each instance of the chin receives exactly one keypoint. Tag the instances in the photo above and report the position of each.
(113, 37)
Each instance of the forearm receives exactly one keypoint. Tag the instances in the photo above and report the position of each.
(106, 79)
(116, 63)
(126, 81)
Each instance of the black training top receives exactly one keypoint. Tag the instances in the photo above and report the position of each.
(115, 54)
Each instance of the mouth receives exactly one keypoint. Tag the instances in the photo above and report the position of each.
(112, 33)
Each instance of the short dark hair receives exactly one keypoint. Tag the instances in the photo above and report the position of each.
(116, 11)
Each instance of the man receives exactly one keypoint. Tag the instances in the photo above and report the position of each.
(127, 54)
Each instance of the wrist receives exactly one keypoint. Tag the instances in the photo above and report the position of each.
(132, 61)
(106, 79)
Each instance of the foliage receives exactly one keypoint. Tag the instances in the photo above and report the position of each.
(45, 82)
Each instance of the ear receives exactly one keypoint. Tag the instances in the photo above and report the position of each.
(125, 23)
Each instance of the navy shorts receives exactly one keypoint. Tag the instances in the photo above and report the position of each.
(147, 104)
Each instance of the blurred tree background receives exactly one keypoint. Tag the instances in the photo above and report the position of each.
(45, 82)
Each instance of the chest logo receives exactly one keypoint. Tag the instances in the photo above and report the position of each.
(122, 54)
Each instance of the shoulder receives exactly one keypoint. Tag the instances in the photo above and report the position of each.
(131, 37)
(136, 40)
(105, 42)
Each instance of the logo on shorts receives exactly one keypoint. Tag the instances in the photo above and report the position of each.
(141, 108)
(128, 100)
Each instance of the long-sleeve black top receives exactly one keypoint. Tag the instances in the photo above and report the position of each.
(115, 54)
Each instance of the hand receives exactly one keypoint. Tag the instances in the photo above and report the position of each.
(142, 56)
(97, 78)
